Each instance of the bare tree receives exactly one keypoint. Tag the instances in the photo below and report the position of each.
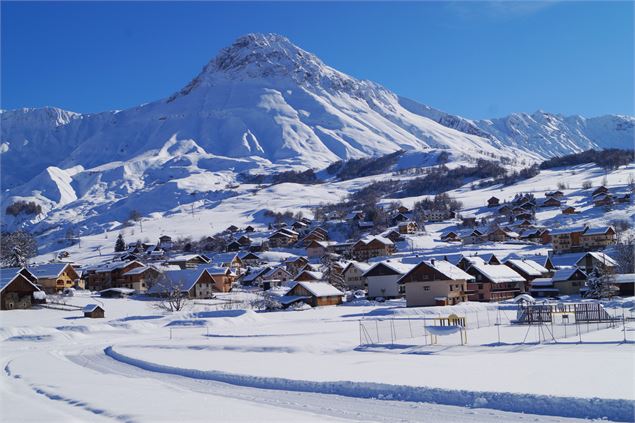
(173, 295)
(265, 301)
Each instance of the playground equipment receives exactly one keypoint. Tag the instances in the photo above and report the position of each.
(447, 326)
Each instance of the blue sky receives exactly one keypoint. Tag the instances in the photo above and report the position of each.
(470, 58)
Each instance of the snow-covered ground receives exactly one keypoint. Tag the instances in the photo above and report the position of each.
(235, 364)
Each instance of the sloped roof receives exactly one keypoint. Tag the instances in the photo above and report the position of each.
(188, 257)
(449, 270)
(89, 308)
(529, 267)
(8, 274)
(215, 270)
(185, 279)
(312, 274)
(48, 271)
(565, 274)
(319, 289)
(273, 270)
(138, 270)
(601, 257)
(396, 266)
(562, 231)
(498, 273)
(598, 231)
(360, 265)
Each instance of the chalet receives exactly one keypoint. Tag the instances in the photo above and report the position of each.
(93, 311)
(316, 294)
(530, 235)
(244, 240)
(493, 202)
(116, 292)
(524, 216)
(528, 205)
(109, 275)
(409, 227)
(567, 240)
(465, 262)
(474, 237)
(17, 289)
(555, 194)
(602, 200)
(598, 238)
(229, 259)
(403, 209)
(254, 277)
(450, 236)
(295, 264)
(489, 258)
(435, 282)
(382, 277)
(563, 282)
(193, 283)
(393, 235)
(299, 226)
(223, 278)
(55, 277)
(551, 202)
(165, 242)
(189, 261)
(315, 235)
(525, 224)
(283, 238)
(543, 260)
(249, 229)
(469, 221)
(568, 210)
(308, 276)
(233, 246)
(259, 246)
(439, 215)
(600, 191)
(493, 283)
(249, 259)
(232, 228)
(353, 275)
(355, 215)
(592, 259)
(504, 210)
(317, 249)
(278, 274)
(501, 235)
(529, 270)
(400, 217)
(377, 246)
(140, 278)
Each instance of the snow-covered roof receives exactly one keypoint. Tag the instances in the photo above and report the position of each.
(48, 271)
(542, 282)
(498, 273)
(109, 267)
(598, 231)
(564, 274)
(601, 257)
(314, 275)
(125, 291)
(529, 267)
(253, 274)
(215, 270)
(352, 214)
(398, 267)
(359, 265)
(188, 257)
(89, 308)
(270, 272)
(563, 231)
(320, 289)
(624, 278)
(8, 274)
(137, 270)
(184, 279)
(449, 270)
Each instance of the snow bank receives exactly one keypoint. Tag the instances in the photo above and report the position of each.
(589, 408)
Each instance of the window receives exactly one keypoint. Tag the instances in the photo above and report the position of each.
(480, 286)
(426, 288)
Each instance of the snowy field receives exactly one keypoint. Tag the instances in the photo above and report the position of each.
(227, 363)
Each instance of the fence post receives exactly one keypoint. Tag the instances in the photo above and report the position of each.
(377, 330)
(360, 333)
(624, 324)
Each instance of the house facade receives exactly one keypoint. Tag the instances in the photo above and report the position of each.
(435, 282)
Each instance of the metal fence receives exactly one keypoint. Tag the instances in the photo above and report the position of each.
(417, 330)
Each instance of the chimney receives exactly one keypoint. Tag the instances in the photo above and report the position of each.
(432, 261)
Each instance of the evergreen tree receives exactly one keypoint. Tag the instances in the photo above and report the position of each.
(120, 244)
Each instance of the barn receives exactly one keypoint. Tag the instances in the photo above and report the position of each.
(16, 290)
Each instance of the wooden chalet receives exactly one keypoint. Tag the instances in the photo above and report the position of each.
(55, 277)
(17, 288)
(493, 202)
(434, 283)
(493, 283)
(93, 311)
(316, 294)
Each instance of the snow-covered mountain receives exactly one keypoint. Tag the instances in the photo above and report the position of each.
(261, 104)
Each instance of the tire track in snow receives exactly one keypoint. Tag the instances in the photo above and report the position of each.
(585, 408)
(48, 393)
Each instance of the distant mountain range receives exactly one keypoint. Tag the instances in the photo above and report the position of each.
(261, 105)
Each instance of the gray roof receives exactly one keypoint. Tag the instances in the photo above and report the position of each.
(184, 279)
(8, 274)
